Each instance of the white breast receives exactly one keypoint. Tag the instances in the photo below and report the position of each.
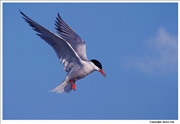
(80, 72)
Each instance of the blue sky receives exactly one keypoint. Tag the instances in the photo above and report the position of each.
(136, 44)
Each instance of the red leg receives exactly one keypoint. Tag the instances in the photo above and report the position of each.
(73, 85)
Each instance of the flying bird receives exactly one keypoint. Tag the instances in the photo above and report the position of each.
(71, 51)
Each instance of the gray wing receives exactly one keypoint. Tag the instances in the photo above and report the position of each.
(68, 57)
(71, 37)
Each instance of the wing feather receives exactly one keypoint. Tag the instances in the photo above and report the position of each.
(63, 49)
(71, 37)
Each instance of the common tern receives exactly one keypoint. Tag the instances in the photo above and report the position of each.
(71, 51)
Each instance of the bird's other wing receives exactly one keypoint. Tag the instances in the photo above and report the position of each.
(71, 37)
(65, 52)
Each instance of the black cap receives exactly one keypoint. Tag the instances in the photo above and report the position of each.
(97, 63)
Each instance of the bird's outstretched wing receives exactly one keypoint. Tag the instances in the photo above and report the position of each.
(71, 37)
(64, 50)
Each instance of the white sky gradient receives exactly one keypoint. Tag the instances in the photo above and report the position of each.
(160, 54)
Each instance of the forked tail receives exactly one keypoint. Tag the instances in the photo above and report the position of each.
(65, 86)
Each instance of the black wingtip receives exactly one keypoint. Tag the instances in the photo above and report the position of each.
(25, 17)
(20, 11)
(58, 15)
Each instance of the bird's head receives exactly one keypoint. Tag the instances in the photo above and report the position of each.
(99, 66)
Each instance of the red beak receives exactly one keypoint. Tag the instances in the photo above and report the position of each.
(102, 72)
